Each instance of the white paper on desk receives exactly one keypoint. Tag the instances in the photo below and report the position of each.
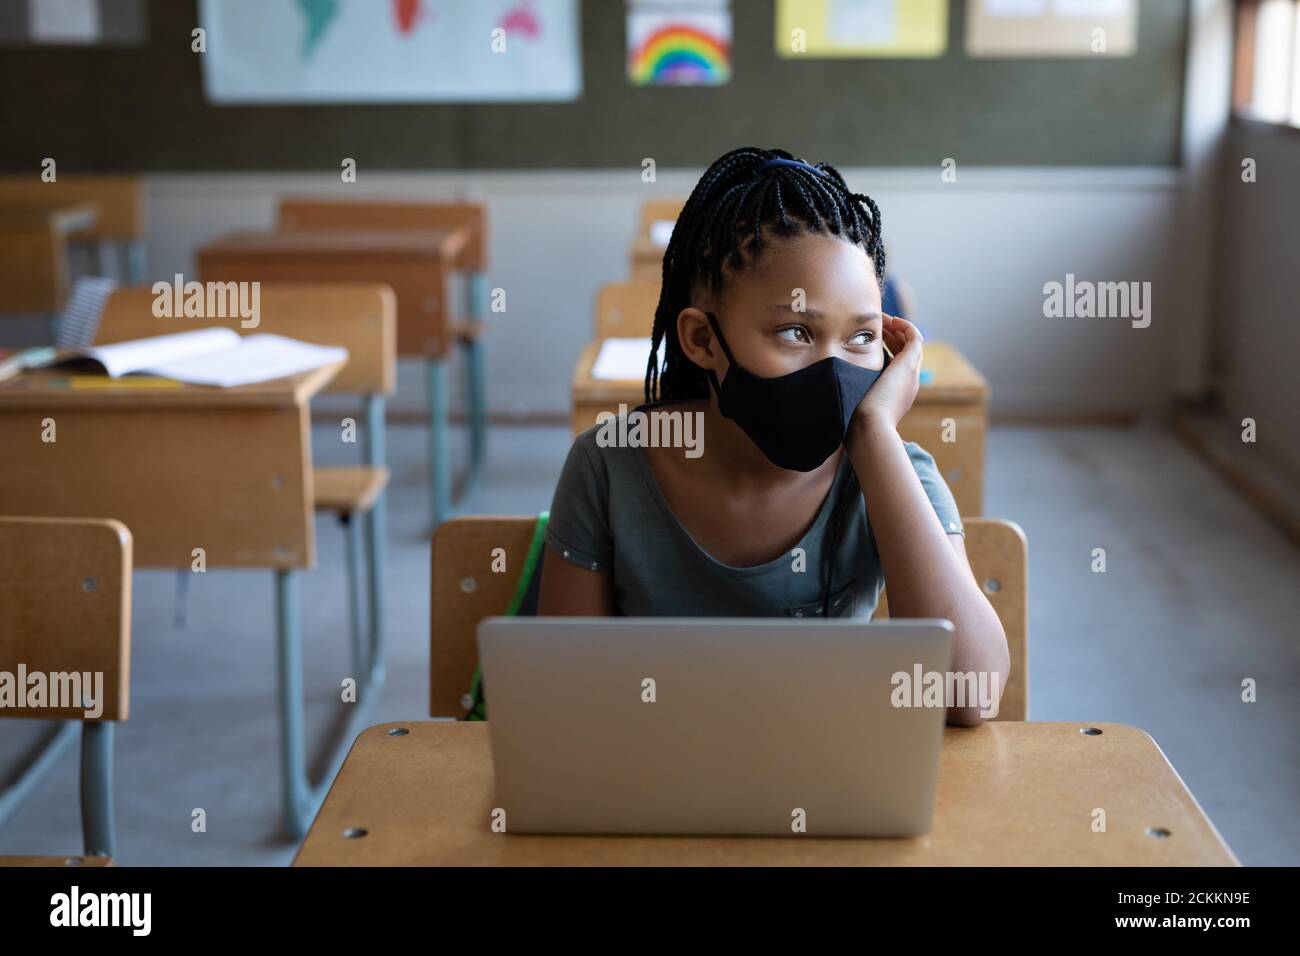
(661, 231)
(257, 358)
(215, 356)
(623, 360)
(135, 355)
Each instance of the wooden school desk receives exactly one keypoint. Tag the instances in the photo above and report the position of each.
(647, 259)
(951, 388)
(417, 264)
(183, 467)
(118, 226)
(1010, 793)
(34, 275)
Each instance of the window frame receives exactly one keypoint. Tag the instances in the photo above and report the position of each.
(1245, 20)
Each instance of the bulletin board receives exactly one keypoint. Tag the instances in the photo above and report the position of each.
(145, 109)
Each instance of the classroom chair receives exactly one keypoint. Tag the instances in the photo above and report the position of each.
(362, 319)
(302, 214)
(119, 222)
(465, 590)
(897, 297)
(34, 271)
(626, 309)
(65, 607)
(658, 210)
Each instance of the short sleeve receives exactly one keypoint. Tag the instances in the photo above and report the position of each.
(578, 527)
(936, 489)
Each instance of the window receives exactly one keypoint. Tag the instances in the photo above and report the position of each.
(1267, 69)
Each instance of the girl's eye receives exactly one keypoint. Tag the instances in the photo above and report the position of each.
(862, 338)
(796, 333)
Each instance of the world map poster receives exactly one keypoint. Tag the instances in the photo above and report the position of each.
(374, 51)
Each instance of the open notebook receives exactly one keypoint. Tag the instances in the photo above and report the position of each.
(623, 359)
(215, 356)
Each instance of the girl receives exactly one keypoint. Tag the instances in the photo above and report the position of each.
(805, 499)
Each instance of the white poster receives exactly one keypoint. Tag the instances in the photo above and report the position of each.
(372, 51)
(1015, 8)
(66, 21)
(862, 22)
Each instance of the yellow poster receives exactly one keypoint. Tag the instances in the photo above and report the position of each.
(861, 28)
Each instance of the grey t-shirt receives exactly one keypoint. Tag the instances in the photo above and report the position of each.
(609, 515)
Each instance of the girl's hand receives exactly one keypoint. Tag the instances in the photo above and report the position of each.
(888, 400)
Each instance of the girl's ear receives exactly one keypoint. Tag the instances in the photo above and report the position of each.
(697, 340)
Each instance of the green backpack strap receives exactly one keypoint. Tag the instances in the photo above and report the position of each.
(478, 706)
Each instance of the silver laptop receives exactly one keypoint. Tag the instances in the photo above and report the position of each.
(720, 726)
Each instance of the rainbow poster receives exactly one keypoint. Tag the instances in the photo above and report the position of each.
(679, 42)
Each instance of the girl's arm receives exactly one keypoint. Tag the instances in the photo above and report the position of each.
(926, 569)
(570, 591)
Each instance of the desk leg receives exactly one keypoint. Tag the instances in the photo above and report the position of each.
(352, 539)
(135, 261)
(476, 374)
(97, 788)
(295, 790)
(376, 436)
(439, 445)
(300, 798)
(45, 760)
(104, 259)
(377, 529)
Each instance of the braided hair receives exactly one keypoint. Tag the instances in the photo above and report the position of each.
(722, 227)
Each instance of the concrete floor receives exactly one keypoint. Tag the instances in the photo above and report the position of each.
(1199, 593)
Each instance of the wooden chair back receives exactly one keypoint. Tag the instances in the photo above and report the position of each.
(360, 318)
(658, 210)
(626, 309)
(119, 202)
(65, 610)
(465, 590)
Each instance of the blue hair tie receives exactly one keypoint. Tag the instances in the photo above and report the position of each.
(796, 163)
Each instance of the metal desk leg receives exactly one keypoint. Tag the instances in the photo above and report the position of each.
(476, 374)
(375, 438)
(300, 798)
(377, 529)
(97, 829)
(352, 539)
(104, 259)
(135, 261)
(439, 445)
(297, 803)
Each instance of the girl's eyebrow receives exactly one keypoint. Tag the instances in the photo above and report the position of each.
(815, 314)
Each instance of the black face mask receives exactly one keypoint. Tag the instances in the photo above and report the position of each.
(796, 420)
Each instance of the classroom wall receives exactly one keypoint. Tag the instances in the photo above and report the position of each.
(977, 253)
(1255, 331)
(142, 108)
